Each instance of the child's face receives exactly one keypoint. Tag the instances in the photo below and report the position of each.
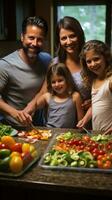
(95, 62)
(58, 84)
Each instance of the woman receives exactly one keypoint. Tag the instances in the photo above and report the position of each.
(69, 42)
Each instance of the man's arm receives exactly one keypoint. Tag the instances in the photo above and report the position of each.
(31, 105)
(19, 115)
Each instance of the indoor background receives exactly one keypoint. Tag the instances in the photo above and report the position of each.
(13, 12)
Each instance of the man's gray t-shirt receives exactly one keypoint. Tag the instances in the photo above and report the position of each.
(20, 82)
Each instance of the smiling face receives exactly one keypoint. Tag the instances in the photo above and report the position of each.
(69, 41)
(95, 63)
(32, 41)
(59, 85)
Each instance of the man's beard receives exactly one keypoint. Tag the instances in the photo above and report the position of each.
(30, 54)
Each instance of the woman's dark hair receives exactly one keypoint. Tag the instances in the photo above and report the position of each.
(72, 24)
(61, 70)
(36, 21)
(99, 48)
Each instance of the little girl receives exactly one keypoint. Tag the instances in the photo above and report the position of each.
(96, 61)
(63, 104)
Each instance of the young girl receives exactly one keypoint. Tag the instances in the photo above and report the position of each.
(64, 105)
(96, 61)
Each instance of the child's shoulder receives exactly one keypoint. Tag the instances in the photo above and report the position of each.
(76, 95)
(47, 96)
(110, 78)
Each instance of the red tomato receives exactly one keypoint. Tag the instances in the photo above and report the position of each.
(100, 164)
(101, 152)
(17, 147)
(95, 155)
(100, 157)
(81, 147)
(74, 142)
(94, 145)
(109, 147)
(86, 138)
(107, 164)
(110, 156)
(87, 148)
(3, 146)
(95, 150)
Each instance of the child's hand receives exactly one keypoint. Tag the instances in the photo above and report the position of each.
(85, 119)
(82, 122)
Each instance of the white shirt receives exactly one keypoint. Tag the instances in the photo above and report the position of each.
(102, 107)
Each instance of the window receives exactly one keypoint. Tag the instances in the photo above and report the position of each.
(91, 17)
(95, 17)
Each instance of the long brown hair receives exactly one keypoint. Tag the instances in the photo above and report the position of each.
(72, 24)
(100, 48)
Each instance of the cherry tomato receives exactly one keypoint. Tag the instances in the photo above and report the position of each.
(86, 138)
(109, 147)
(73, 142)
(99, 157)
(95, 145)
(99, 163)
(87, 148)
(107, 164)
(110, 156)
(101, 152)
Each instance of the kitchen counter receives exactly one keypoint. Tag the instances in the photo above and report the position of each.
(46, 181)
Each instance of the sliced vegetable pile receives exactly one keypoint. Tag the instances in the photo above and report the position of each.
(15, 156)
(35, 135)
(79, 150)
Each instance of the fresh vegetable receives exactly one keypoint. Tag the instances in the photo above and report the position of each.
(8, 140)
(17, 147)
(4, 164)
(15, 156)
(85, 151)
(5, 130)
(16, 164)
(4, 153)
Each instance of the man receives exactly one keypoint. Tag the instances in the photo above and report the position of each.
(22, 74)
